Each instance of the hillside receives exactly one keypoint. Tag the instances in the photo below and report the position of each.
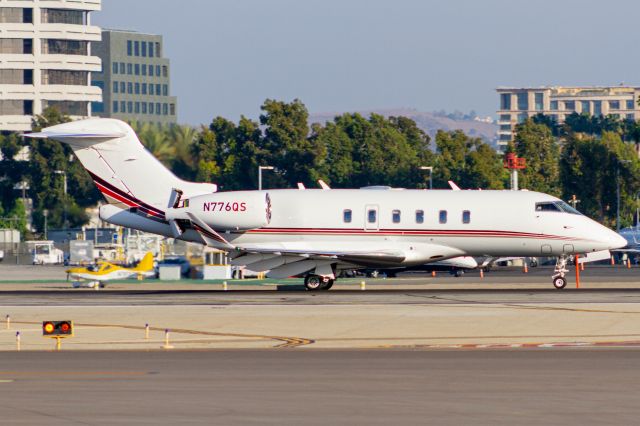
(427, 121)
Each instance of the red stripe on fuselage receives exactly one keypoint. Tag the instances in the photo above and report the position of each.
(410, 232)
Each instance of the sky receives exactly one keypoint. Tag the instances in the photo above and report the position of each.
(228, 56)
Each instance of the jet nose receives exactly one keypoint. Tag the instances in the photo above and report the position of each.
(616, 240)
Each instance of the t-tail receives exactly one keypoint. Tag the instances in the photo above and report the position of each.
(146, 264)
(124, 171)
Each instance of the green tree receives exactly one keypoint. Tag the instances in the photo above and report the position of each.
(536, 144)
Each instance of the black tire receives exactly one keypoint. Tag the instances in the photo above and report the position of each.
(313, 282)
(559, 283)
(327, 285)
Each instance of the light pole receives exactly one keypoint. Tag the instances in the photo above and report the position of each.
(430, 168)
(45, 213)
(260, 169)
(64, 177)
(618, 192)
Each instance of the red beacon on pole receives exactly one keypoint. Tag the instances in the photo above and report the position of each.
(514, 163)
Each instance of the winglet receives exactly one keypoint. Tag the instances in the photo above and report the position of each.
(453, 186)
(323, 185)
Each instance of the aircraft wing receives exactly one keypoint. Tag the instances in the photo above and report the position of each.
(289, 260)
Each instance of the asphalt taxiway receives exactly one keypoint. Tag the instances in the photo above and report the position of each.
(290, 387)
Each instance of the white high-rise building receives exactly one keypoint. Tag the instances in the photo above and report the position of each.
(46, 59)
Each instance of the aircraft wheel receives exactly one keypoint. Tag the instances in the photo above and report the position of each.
(327, 285)
(313, 282)
(559, 283)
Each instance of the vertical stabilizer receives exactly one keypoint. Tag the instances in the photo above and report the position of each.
(122, 168)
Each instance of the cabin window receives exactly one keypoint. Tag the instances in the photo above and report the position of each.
(443, 216)
(419, 216)
(547, 207)
(371, 216)
(466, 216)
(346, 216)
(395, 216)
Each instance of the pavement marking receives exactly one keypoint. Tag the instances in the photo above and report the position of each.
(285, 341)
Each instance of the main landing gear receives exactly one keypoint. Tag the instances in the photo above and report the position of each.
(317, 282)
(558, 279)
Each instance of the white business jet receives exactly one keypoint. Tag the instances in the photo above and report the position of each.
(316, 233)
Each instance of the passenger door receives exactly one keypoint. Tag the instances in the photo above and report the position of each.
(371, 217)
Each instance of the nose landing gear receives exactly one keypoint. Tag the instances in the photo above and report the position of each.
(558, 279)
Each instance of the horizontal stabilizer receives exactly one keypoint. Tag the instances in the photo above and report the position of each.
(60, 135)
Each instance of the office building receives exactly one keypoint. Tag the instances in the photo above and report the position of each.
(46, 59)
(518, 104)
(135, 78)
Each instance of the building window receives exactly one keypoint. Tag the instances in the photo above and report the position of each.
(630, 104)
(130, 107)
(165, 71)
(69, 78)
(144, 88)
(614, 104)
(136, 69)
(539, 101)
(586, 106)
(137, 88)
(16, 76)
(122, 70)
(136, 48)
(158, 51)
(122, 87)
(554, 105)
(419, 216)
(597, 107)
(151, 86)
(150, 70)
(16, 15)
(115, 87)
(123, 107)
(466, 216)
(144, 48)
(442, 217)
(505, 101)
(371, 216)
(130, 88)
(129, 69)
(165, 109)
(158, 112)
(523, 101)
(114, 68)
(144, 69)
(522, 117)
(68, 107)
(631, 117)
(115, 106)
(64, 47)
(505, 138)
(165, 90)
(151, 49)
(150, 107)
(172, 109)
(144, 107)
(158, 89)
(395, 216)
(505, 117)
(129, 48)
(157, 70)
(346, 216)
(505, 127)
(137, 108)
(62, 16)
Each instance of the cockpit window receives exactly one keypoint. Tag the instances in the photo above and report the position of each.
(556, 206)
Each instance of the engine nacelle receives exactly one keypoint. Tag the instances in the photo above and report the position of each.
(226, 211)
